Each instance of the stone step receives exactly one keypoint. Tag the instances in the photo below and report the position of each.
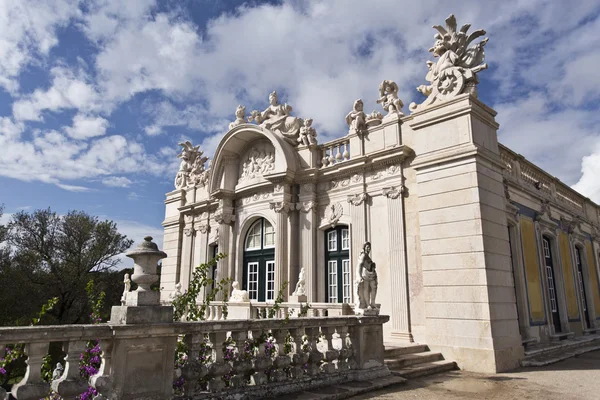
(419, 370)
(395, 351)
(544, 359)
(564, 346)
(412, 359)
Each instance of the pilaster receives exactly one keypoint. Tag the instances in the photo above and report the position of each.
(187, 252)
(281, 208)
(397, 259)
(308, 222)
(225, 217)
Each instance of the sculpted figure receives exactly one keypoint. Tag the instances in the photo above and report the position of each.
(126, 289)
(240, 117)
(237, 295)
(191, 169)
(456, 70)
(58, 371)
(388, 98)
(356, 118)
(308, 134)
(300, 286)
(366, 280)
(277, 118)
(177, 293)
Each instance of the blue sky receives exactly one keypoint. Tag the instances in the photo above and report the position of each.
(95, 95)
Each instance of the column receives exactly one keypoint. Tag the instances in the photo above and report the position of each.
(224, 217)
(187, 250)
(398, 270)
(281, 209)
(308, 246)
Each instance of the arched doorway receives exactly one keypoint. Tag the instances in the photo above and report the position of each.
(259, 261)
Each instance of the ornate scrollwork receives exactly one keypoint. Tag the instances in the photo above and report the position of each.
(357, 199)
(306, 206)
(392, 192)
(281, 206)
(333, 213)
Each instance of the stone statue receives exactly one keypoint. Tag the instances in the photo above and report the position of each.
(260, 161)
(58, 371)
(237, 295)
(240, 117)
(388, 98)
(126, 289)
(277, 118)
(366, 281)
(191, 169)
(456, 70)
(300, 286)
(177, 293)
(356, 118)
(308, 134)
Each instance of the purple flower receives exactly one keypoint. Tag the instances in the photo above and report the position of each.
(2, 371)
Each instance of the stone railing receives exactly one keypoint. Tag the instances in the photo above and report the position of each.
(335, 152)
(256, 357)
(525, 172)
(262, 310)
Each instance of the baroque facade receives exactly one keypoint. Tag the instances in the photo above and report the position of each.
(478, 252)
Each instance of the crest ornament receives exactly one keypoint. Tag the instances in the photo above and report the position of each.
(191, 169)
(277, 118)
(240, 117)
(374, 119)
(333, 213)
(455, 71)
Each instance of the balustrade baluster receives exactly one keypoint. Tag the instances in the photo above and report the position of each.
(325, 159)
(195, 369)
(218, 367)
(338, 156)
(102, 381)
(261, 362)
(282, 360)
(242, 358)
(329, 354)
(344, 352)
(315, 357)
(331, 156)
(299, 357)
(32, 386)
(71, 384)
(346, 154)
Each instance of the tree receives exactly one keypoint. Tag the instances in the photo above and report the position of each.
(58, 255)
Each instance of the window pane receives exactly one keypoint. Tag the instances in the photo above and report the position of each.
(345, 239)
(332, 241)
(270, 284)
(346, 281)
(332, 282)
(253, 238)
(253, 281)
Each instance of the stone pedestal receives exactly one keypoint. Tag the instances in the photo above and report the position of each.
(239, 310)
(297, 299)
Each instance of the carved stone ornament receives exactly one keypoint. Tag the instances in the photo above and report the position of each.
(595, 233)
(388, 98)
(357, 199)
(307, 188)
(257, 197)
(333, 213)
(258, 162)
(506, 192)
(237, 295)
(572, 225)
(224, 213)
(374, 119)
(205, 228)
(356, 119)
(277, 118)
(189, 225)
(306, 206)
(191, 169)
(392, 192)
(240, 117)
(456, 70)
(281, 206)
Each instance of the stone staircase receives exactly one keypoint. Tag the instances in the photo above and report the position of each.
(415, 360)
(550, 353)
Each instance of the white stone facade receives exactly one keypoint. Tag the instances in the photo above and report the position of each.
(433, 192)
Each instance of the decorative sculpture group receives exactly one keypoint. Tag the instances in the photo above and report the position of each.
(301, 285)
(191, 169)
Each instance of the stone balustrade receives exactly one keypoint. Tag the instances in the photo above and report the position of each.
(523, 171)
(261, 310)
(258, 357)
(335, 152)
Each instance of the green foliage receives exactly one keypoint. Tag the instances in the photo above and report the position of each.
(51, 255)
(186, 305)
(277, 304)
(303, 310)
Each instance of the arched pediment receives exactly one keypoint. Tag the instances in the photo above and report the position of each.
(235, 147)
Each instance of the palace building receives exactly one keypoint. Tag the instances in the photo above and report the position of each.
(478, 252)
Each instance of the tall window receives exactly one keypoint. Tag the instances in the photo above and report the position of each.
(259, 261)
(551, 283)
(337, 264)
(578, 260)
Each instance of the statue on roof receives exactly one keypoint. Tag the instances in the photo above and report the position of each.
(277, 118)
(356, 119)
(191, 169)
(240, 117)
(455, 71)
(388, 98)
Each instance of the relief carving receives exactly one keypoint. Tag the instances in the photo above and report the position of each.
(258, 162)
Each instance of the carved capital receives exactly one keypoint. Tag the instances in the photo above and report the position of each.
(357, 199)
(281, 206)
(204, 229)
(188, 231)
(595, 233)
(392, 192)
(306, 206)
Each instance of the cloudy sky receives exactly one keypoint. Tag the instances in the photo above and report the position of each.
(95, 95)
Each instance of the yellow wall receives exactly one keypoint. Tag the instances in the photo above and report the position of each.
(567, 266)
(593, 276)
(532, 269)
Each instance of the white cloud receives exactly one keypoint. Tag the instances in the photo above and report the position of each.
(85, 127)
(117, 181)
(153, 130)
